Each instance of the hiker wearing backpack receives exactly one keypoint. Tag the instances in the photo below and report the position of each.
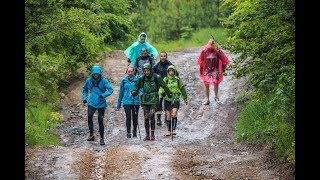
(141, 60)
(99, 88)
(172, 104)
(130, 104)
(133, 51)
(212, 62)
(150, 83)
(161, 69)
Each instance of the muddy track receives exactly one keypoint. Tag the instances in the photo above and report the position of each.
(204, 147)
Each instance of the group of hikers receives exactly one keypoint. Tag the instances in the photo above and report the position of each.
(153, 86)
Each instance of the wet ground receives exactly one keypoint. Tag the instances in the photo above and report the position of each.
(204, 147)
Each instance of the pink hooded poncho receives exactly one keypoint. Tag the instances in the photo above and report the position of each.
(212, 64)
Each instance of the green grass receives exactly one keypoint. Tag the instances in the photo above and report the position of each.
(199, 38)
(40, 125)
(266, 121)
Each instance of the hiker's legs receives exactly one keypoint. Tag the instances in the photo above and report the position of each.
(135, 119)
(175, 108)
(153, 109)
(146, 110)
(207, 92)
(215, 89)
(168, 110)
(127, 110)
(91, 111)
(101, 112)
(159, 109)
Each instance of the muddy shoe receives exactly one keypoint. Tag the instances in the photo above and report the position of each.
(152, 138)
(129, 135)
(217, 99)
(147, 138)
(134, 134)
(174, 132)
(159, 123)
(168, 133)
(90, 138)
(102, 141)
(207, 102)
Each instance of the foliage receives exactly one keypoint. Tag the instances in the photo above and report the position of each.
(170, 20)
(265, 31)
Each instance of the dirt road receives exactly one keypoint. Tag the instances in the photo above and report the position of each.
(204, 147)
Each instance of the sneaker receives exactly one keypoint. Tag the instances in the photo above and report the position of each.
(217, 99)
(129, 135)
(90, 138)
(206, 102)
(168, 133)
(152, 138)
(147, 138)
(174, 132)
(159, 123)
(102, 141)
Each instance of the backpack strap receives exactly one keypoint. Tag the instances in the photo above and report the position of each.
(154, 77)
(97, 85)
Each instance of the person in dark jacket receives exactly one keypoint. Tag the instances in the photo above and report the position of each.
(150, 83)
(130, 104)
(99, 88)
(141, 60)
(161, 69)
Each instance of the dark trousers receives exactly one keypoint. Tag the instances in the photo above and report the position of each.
(131, 113)
(91, 111)
(149, 120)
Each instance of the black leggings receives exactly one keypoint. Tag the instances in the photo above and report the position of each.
(131, 113)
(91, 111)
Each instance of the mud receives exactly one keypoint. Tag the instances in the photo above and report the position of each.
(204, 147)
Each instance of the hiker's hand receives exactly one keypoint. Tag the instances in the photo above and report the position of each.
(84, 101)
(117, 109)
(186, 102)
(171, 95)
(100, 96)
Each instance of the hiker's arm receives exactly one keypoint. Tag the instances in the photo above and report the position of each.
(136, 87)
(121, 92)
(109, 89)
(164, 86)
(183, 90)
(85, 90)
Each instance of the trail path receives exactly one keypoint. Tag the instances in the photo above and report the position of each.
(204, 147)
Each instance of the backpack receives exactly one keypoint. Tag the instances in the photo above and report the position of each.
(97, 85)
(136, 64)
(167, 80)
(155, 80)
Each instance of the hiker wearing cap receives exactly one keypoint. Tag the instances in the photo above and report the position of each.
(172, 104)
(130, 104)
(99, 88)
(150, 83)
(133, 51)
(161, 69)
(212, 62)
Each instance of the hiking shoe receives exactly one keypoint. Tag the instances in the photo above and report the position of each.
(134, 134)
(129, 135)
(102, 141)
(147, 138)
(152, 138)
(206, 102)
(217, 99)
(168, 133)
(174, 132)
(159, 123)
(90, 138)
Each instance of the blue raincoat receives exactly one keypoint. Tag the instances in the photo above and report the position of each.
(126, 86)
(98, 87)
(134, 51)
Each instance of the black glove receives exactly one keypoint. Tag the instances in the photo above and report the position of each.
(129, 60)
(100, 96)
(84, 101)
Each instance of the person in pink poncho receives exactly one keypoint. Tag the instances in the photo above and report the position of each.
(212, 62)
